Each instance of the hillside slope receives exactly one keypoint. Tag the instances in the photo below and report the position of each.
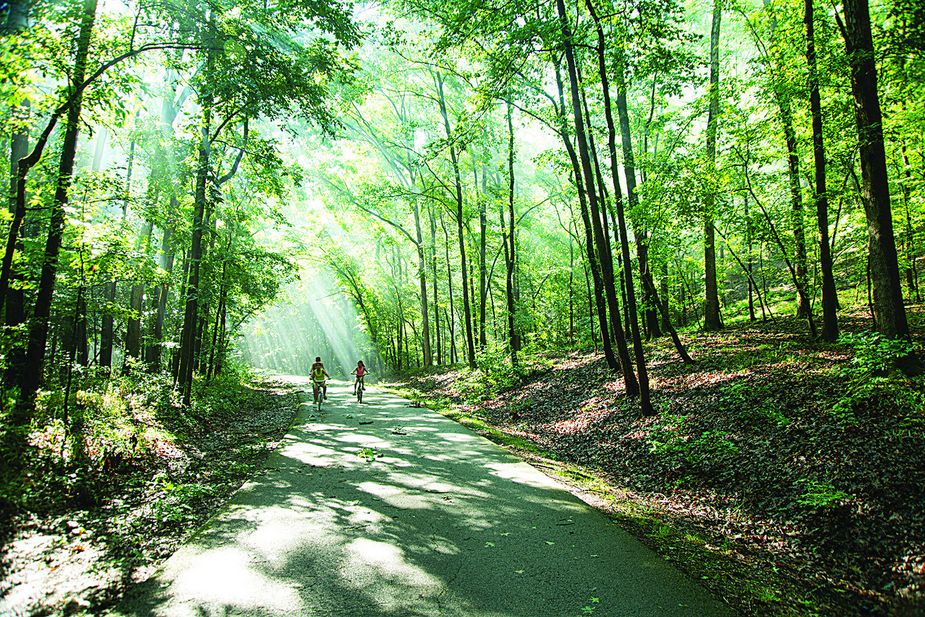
(788, 475)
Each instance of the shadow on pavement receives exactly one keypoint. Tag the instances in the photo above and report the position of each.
(384, 509)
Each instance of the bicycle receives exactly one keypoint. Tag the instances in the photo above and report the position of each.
(318, 391)
(360, 386)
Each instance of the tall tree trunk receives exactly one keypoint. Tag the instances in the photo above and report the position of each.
(107, 334)
(603, 250)
(749, 262)
(782, 99)
(618, 199)
(451, 318)
(13, 295)
(162, 293)
(191, 313)
(508, 238)
(629, 172)
(422, 280)
(222, 342)
(796, 207)
(888, 306)
(483, 268)
(912, 275)
(137, 296)
(17, 21)
(571, 290)
(599, 305)
(433, 260)
(829, 294)
(31, 377)
(665, 295)
(219, 312)
(711, 318)
(460, 224)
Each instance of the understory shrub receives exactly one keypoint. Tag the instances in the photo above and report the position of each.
(494, 373)
(871, 379)
(673, 440)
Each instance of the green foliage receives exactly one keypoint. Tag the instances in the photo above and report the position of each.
(753, 402)
(672, 438)
(176, 502)
(821, 495)
(494, 373)
(666, 436)
(873, 354)
(871, 378)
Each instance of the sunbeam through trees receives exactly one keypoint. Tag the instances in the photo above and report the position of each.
(675, 244)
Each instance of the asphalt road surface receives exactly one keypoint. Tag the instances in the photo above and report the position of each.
(386, 509)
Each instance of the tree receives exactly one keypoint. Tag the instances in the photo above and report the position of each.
(711, 318)
(829, 294)
(889, 312)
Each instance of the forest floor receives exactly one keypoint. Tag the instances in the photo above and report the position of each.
(80, 535)
(787, 475)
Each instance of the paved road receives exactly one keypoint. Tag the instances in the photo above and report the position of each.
(385, 509)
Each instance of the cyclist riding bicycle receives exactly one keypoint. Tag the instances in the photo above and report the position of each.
(318, 376)
(360, 372)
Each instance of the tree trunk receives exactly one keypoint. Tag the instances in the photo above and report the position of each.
(13, 295)
(191, 313)
(31, 377)
(796, 206)
(136, 299)
(829, 294)
(460, 225)
(571, 291)
(603, 250)
(422, 280)
(912, 275)
(593, 262)
(451, 318)
(711, 318)
(508, 240)
(162, 293)
(483, 241)
(889, 312)
(630, 172)
(665, 296)
(433, 259)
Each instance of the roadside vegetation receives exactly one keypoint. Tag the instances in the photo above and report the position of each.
(782, 473)
(78, 527)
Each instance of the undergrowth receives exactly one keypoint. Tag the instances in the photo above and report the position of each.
(130, 472)
(495, 373)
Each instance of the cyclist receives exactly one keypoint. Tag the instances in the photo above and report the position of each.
(318, 375)
(360, 372)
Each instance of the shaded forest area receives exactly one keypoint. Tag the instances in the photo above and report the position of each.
(711, 215)
(781, 473)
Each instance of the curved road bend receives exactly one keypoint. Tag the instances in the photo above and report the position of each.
(384, 509)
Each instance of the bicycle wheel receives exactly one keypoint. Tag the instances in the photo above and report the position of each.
(360, 394)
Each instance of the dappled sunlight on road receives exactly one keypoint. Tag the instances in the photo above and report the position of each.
(384, 509)
(370, 562)
(226, 577)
